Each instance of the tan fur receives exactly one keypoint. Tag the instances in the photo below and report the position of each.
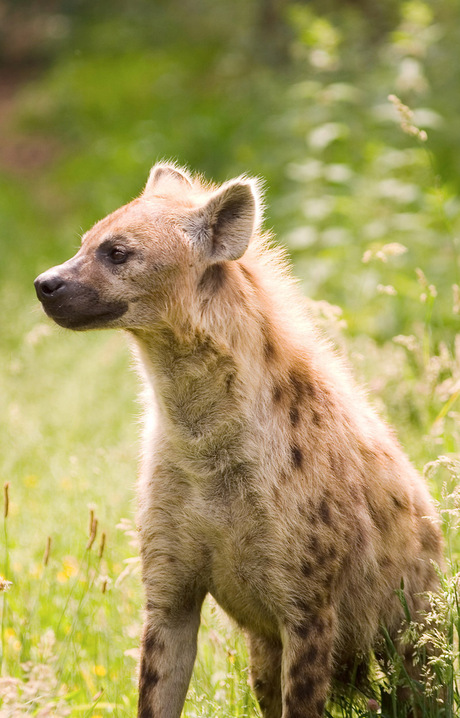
(267, 478)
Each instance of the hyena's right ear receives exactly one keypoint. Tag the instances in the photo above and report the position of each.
(223, 227)
(166, 179)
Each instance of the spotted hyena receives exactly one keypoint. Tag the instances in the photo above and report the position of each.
(267, 480)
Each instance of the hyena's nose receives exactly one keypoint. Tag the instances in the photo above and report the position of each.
(49, 286)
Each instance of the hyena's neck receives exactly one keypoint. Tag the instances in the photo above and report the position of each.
(202, 421)
(213, 370)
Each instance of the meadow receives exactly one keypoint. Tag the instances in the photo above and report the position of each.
(355, 136)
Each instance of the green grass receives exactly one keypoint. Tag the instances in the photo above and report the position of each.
(345, 184)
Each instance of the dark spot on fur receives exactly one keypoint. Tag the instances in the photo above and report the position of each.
(269, 350)
(315, 417)
(303, 690)
(148, 677)
(397, 503)
(319, 705)
(332, 553)
(249, 276)
(269, 343)
(296, 383)
(430, 536)
(301, 604)
(306, 568)
(297, 457)
(277, 393)
(294, 415)
(213, 278)
(319, 597)
(152, 642)
(377, 517)
(312, 654)
(259, 685)
(319, 625)
(229, 380)
(321, 558)
(314, 545)
(301, 385)
(325, 512)
(310, 389)
(303, 628)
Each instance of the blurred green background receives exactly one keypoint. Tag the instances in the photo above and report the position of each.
(363, 194)
(92, 94)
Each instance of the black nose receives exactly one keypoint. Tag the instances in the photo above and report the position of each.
(48, 287)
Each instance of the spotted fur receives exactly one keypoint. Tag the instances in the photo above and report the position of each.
(267, 479)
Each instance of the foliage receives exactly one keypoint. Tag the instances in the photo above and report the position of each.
(364, 194)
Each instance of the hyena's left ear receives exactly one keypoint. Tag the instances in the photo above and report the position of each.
(223, 227)
(166, 179)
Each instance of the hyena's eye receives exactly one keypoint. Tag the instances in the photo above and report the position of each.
(118, 255)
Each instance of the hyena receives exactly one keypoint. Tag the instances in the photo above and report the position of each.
(267, 479)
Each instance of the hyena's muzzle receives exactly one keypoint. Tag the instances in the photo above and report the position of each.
(74, 303)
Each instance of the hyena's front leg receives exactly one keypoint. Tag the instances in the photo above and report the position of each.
(307, 665)
(168, 653)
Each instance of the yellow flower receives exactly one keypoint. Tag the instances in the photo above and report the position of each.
(99, 671)
(69, 568)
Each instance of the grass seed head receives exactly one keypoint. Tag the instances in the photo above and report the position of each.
(6, 494)
(102, 545)
(92, 536)
(46, 555)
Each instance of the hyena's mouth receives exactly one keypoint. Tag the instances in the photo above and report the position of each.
(76, 306)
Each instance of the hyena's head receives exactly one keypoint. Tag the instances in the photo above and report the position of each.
(137, 263)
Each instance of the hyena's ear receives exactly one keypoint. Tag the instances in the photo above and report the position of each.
(166, 179)
(223, 227)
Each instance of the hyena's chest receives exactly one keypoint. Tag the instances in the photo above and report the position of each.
(238, 550)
